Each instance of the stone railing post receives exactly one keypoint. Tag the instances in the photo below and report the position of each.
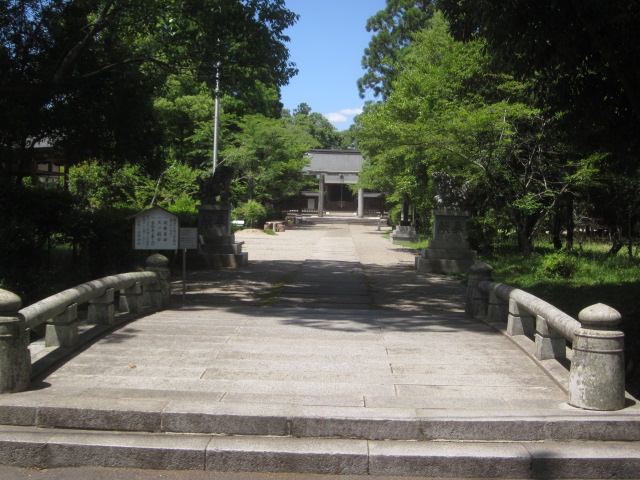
(62, 331)
(596, 378)
(477, 301)
(159, 292)
(131, 299)
(15, 358)
(519, 322)
(549, 343)
(102, 309)
(497, 309)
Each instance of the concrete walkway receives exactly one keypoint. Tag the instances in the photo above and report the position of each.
(327, 334)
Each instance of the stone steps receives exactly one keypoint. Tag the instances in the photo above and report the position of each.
(189, 413)
(51, 448)
(343, 219)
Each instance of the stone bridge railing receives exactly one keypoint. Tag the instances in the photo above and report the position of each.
(138, 292)
(596, 375)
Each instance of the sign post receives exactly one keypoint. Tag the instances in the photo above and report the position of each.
(188, 241)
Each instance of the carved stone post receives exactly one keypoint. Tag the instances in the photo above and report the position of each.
(15, 358)
(519, 322)
(498, 309)
(549, 343)
(62, 331)
(596, 379)
(477, 301)
(102, 309)
(159, 292)
(131, 299)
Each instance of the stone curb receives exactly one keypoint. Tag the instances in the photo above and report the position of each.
(32, 447)
(378, 424)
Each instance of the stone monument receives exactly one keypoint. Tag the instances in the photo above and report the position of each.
(405, 232)
(217, 245)
(448, 250)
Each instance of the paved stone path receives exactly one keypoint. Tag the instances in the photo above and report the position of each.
(365, 335)
(316, 357)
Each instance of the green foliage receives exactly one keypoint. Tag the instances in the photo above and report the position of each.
(86, 73)
(393, 30)
(267, 157)
(559, 264)
(316, 125)
(252, 212)
(451, 111)
(570, 280)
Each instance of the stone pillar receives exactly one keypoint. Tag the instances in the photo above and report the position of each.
(520, 322)
(62, 331)
(131, 299)
(477, 301)
(102, 309)
(159, 292)
(360, 202)
(596, 378)
(497, 309)
(218, 246)
(15, 358)
(549, 343)
(321, 196)
(448, 250)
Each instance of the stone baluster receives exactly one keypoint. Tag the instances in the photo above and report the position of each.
(477, 301)
(159, 293)
(15, 358)
(102, 309)
(131, 299)
(498, 309)
(62, 330)
(519, 321)
(549, 343)
(596, 378)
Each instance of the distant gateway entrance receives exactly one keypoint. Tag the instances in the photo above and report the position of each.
(336, 170)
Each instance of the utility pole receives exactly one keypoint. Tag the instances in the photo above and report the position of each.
(216, 119)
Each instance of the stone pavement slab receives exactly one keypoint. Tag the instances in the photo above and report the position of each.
(327, 333)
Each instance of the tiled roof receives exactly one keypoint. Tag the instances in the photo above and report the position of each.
(334, 161)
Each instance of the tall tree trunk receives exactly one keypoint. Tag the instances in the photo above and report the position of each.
(570, 222)
(556, 227)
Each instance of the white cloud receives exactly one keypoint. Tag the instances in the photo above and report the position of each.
(351, 111)
(335, 117)
(342, 115)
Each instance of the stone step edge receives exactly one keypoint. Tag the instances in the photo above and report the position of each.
(51, 448)
(192, 420)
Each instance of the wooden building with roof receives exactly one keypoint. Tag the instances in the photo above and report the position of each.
(336, 170)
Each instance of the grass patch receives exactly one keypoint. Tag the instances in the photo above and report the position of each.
(572, 280)
(419, 245)
(268, 231)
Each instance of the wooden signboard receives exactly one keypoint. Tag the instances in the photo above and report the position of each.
(156, 229)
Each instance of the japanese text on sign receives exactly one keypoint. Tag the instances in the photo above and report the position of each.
(156, 229)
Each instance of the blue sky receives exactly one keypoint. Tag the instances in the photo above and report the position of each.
(327, 45)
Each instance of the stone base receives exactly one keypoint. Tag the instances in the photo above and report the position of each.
(218, 252)
(445, 261)
(404, 234)
(220, 260)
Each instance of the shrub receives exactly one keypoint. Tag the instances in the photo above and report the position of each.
(251, 212)
(559, 265)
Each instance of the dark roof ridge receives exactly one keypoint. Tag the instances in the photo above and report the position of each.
(328, 150)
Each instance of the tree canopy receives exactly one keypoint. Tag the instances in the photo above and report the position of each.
(393, 29)
(579, 56)
(84, 72)
(450, 110)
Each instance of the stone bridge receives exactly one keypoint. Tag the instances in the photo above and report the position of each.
(327, 354)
